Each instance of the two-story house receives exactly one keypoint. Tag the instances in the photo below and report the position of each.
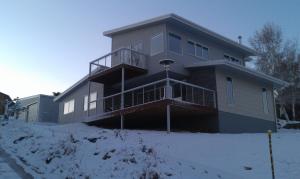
(170, 73)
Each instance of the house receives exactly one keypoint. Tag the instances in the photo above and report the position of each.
(207, 88)
(39, 108)
(3, 99)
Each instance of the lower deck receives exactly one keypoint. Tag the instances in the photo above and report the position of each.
(183, 117)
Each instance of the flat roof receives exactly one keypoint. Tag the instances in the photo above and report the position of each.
(234, 66)
(183, 21)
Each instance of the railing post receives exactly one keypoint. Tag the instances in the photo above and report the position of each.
(89, 91)
(143, 96)
(168, 118)
(203, 97)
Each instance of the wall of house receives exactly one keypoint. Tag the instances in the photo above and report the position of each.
(78, 95)
(246, 114)
(33, 113)
(48, 109)
(217, 49)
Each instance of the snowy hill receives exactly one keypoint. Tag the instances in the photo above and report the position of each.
(80, 151)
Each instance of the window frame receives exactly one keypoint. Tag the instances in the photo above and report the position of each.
(67, 106)
(93, 105)
(201, 46)
(230, 97)
(265, 100)
(230, 57)
(181, 47)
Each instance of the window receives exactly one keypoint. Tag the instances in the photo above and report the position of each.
(205, 52)
(191, 48)
(157, 44)
(175, 43)
(198, 50)
(265, 100)
(230, 99)
(138, 47)
(93, 104)
(69, 106)
(232, 59)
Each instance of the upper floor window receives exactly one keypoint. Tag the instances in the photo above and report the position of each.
(230, 97)
(93, 102)
(175, 43)
(138, 46)
(197, 50)
(157, 44)
(69, 106)
(232, 59)
(191, 48)
(265, 100)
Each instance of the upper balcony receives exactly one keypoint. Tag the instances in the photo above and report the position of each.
(108, 68)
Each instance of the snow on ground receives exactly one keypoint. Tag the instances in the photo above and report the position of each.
(6, 171)
(80, 151)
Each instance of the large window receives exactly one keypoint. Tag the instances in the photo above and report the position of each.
(191, 48)
(175, 43)
(69, 106)
(265, 100)
(157, 44)
(232, 59)
(93, 104)
(197, 50)
(230, 97)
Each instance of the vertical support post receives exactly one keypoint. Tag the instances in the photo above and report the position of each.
(203, 97)
(122, 121)
(168, 119)
(168, 86)
(122, 98)
(89, 91)
(88, 102)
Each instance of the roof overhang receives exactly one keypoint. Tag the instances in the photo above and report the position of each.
(277, 83)
(182, 21)
(70, 89)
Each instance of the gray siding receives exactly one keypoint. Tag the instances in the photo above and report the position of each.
(48, 109)
(45, 110)
(235, 123)
(247, 96)
(78, 95)
(144, 35)
(33, 114)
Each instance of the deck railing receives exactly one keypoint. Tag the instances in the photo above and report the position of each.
(155, 91)
(117, 57)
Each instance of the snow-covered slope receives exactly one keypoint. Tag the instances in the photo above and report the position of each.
(80, 151)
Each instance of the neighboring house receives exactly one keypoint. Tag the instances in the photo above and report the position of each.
(3, 98)
(40, 108)
(208, 88)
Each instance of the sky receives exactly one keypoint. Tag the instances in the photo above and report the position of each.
(46, 46)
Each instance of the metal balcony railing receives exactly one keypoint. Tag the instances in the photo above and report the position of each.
(155, 91)
(117, 57)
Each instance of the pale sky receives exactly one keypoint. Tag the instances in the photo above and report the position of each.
(46, 46)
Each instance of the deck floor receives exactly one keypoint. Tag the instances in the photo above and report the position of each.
(152, 115)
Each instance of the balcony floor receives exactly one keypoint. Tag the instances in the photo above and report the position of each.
(114, 74)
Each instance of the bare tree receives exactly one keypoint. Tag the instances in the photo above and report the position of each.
(268, 43)
(280, 59)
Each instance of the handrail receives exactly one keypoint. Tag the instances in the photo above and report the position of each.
(114, 51)
(192, 85)
(133, 89)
